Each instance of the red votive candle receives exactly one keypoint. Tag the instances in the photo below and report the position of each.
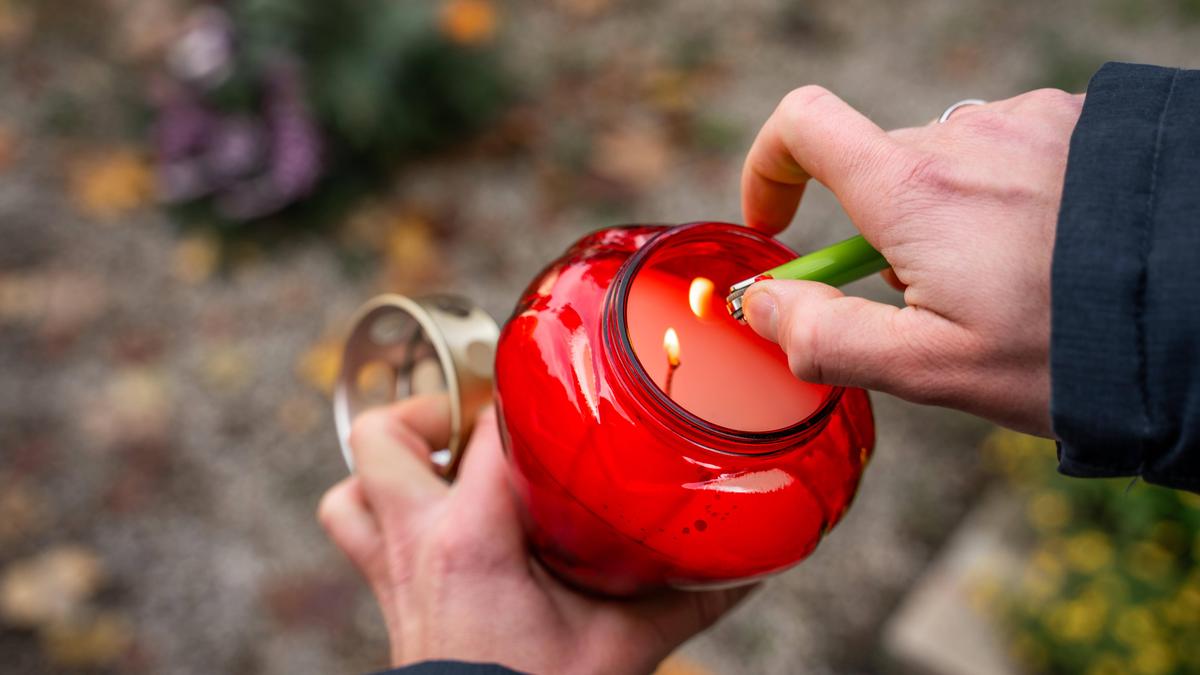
(653, 441)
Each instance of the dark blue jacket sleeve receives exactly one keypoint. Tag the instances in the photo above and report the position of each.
(1125, 338)
(451, 668)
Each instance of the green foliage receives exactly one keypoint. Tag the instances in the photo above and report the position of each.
(383, 82)
(382, 77)
(1111, 586)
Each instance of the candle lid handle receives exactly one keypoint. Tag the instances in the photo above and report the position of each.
(432, 344)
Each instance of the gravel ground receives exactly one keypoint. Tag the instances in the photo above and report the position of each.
(160, 420)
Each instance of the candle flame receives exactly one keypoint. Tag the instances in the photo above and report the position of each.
(671, 346)
(700, 296)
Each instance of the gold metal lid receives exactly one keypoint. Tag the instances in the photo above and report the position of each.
(426, 345)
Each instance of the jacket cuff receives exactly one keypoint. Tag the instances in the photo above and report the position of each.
(1122, 359)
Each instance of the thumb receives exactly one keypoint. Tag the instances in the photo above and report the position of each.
(832, 338)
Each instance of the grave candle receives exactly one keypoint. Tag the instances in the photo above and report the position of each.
(626, 484)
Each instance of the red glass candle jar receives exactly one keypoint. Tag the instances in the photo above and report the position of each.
(626, 488)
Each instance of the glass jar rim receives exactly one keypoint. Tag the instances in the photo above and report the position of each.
(617, 342)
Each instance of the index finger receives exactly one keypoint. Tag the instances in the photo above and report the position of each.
(815, 134)
(391, 448)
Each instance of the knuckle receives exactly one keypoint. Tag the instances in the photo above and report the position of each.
(1050, 96)
(987, 124)
(798, 101)
(924, 179)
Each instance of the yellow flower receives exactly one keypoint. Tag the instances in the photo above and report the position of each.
(1150, 562)
(1135, 626)
(1107, 664)
(112, 184)
(1153, 658)
(1048, 511)
(320, 364)
(1109, 585)
(1088, 552)
(469, 22)
(1043, 576)
(1189, 597)
(1078, 620)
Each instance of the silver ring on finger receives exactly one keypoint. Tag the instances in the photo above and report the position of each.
(961, 104)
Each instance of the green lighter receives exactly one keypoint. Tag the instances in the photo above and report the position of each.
(835, 265)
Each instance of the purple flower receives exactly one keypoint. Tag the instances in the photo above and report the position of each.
(203, 55)
(252, 163)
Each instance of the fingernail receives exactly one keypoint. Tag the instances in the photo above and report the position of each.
(761, 312)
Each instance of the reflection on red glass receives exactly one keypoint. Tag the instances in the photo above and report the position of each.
(738, 474)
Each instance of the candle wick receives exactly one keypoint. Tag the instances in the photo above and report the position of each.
(672, 365)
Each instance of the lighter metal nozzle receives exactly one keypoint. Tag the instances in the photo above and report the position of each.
(733, 301)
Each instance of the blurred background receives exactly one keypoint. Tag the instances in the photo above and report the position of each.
(195, 196)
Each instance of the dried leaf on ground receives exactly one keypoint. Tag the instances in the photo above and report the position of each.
(299, 415)
(227, 367)
(670, 90)
(109, 184)
(23, 510)
(411, 255)
(139, 345)
(51, 587)
(195, 259)
(133, 407)
(637, 155)
(146, 28)
(59, 304)
(16, 23)
(8, 145)
(318, 367)
(97, 640)
(469, 22)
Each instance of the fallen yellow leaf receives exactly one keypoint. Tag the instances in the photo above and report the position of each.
(319, 365)
(195, 259)
(227, 368)
(411, 254)
(111, 184)
(637, 155)
(469, 22)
